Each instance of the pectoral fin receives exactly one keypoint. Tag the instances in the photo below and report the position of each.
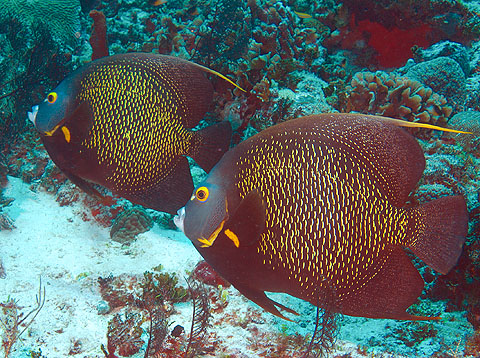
(248, 221)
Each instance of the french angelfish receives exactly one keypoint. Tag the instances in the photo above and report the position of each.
(318, 203)
(122, 122)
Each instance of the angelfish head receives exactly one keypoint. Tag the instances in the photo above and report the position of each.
(203, 217)
(58, 105)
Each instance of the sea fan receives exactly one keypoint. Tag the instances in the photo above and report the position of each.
(201, 315)
(326, 328)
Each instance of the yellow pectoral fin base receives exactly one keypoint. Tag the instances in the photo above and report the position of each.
(231, 235)
(66, 133)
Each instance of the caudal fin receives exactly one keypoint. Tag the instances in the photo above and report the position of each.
(440, 227)
(210, 144)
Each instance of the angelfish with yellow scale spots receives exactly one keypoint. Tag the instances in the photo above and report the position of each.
(318, 203)
(123, 122)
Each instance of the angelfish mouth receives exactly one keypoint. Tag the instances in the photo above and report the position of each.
(32, 116)
(178, 219)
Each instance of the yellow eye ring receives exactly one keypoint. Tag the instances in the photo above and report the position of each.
(202, 194)
(52, 97)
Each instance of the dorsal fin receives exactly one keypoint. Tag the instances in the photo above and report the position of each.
(401, 123)
(218, 74)
(388, 153)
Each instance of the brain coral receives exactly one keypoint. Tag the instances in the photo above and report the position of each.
(444, 76)
(129, 224)
(467, 121)
(397, 97)
(60, 17)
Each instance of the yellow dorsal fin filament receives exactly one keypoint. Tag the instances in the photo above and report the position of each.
(231, 235)
(66, 133)
(209, 242)
(206, 69)
(400, 123)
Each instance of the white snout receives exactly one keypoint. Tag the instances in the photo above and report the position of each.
(179, 218)
(33, 114)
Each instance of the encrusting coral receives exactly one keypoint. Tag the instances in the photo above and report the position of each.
(395, 96)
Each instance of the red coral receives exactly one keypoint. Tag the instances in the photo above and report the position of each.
(203, 272)
(394, 45)
(98, 37)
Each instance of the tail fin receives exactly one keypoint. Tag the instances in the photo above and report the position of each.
(211, 143)
(442, 232)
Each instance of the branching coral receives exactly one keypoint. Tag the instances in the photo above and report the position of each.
(124, 335)
(15, 323)
(397, 97)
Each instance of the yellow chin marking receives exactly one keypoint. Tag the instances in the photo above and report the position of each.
(231, 235)
(66, 133)
(50, 133)
(209, 242)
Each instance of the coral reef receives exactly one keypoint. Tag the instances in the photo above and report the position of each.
(397, 97)
(129, 224)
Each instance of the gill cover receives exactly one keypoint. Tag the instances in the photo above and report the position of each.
(205, 214)
(57, 106)
(203, 221)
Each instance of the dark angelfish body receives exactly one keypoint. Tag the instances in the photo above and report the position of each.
(318, 203)
(122, 122)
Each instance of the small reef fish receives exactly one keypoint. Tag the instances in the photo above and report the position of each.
(122, 122)
(159, 2)
(316, 204)
(303, 15)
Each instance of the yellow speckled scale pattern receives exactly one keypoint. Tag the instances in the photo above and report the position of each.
(327, 219)
(136, 117)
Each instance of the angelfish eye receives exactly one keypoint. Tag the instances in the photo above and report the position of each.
(202, 194)
(52, 97)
